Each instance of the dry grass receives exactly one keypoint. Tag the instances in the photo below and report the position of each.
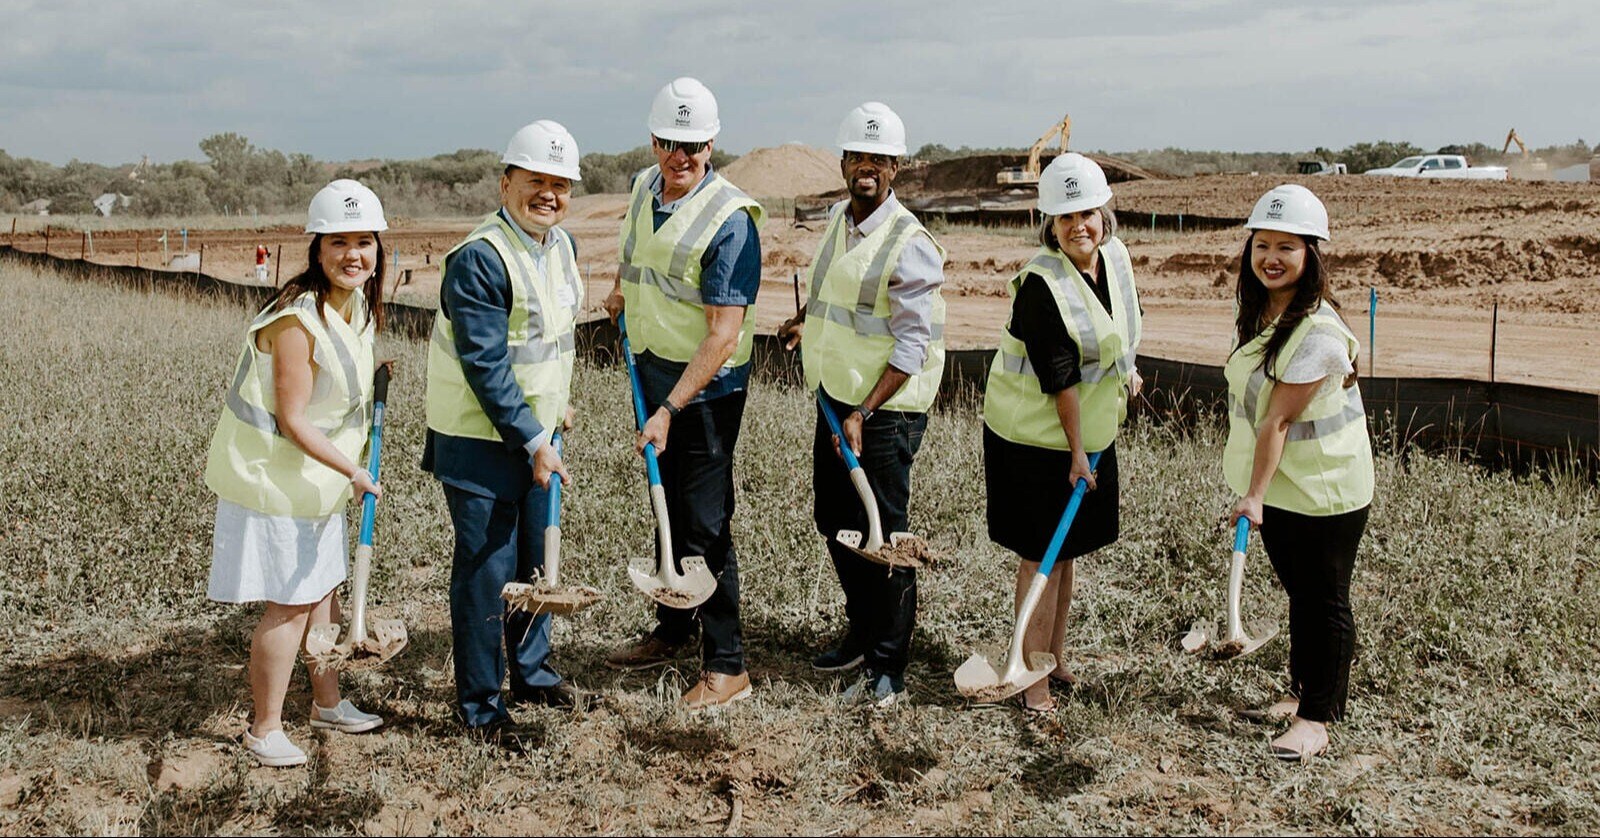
(1476, 699)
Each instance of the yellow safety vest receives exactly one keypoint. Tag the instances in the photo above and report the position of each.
(1015, 408)
(540, 332)
(250, 462)
(660, 269)
(848, 342)
(1327, 459)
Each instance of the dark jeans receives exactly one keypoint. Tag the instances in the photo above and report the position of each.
(880, 603)
(1314, 556)
(697, 474)
(497, 541)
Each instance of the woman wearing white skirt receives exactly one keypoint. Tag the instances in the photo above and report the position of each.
(284, 460)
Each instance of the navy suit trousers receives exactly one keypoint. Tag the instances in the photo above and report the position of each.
(497, 541)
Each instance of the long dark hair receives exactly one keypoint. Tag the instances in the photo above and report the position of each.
(314, 280)
(1309, 294)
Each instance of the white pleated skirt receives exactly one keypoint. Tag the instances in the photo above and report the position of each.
(275, 558)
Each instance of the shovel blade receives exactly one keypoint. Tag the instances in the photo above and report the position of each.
(692, 589)
(385, 639)
(543, 599)
(987, 677)
(903, 549)
(322, 640)
(1199, 635)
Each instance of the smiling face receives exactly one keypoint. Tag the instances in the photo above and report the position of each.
(680, 170)
(537, 201)
(348, 259)
(1079, 235)
(1278, 260)
(868, 176)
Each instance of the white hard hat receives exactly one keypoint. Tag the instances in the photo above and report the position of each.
(544, 146)
(1072, 183)
(1290, 208)
(345, 206)
(684, 110)
(874, 129)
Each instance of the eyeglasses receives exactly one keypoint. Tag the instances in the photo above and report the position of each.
(689, 148)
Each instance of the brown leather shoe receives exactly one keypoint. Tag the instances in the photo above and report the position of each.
(647, 652)
(717, 690)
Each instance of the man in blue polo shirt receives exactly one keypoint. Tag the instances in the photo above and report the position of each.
(690, 271)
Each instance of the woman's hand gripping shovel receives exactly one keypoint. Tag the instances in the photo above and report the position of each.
(1203, 637)
(362, 650)
(980, 679)
(659, 579)
(547, 595)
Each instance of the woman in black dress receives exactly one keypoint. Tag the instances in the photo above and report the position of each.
(1057, 391)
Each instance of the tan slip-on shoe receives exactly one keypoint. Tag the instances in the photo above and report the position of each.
(717, 690)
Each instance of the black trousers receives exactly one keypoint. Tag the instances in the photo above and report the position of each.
(1314, 557)
(697, 474)
(880, 603)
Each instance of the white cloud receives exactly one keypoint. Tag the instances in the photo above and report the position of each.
(408, 78)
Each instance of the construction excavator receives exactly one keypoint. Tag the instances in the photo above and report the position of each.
(1536, 164)
(1028, 175)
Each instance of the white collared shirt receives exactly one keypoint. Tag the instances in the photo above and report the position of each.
(917, 274)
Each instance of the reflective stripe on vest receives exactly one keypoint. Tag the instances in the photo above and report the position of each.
(660, 269)
(540, 336)
(250, 462)
(1326, 465)
(848, 337)
(1014, 406)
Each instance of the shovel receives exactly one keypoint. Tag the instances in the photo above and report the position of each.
(1237, 642)
(362, 650)
(548, 595)
(659, 579)
(979, 679)
(903, 548)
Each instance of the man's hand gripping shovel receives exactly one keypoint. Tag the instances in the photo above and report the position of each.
(660, 579)
(1237, 642)
(547, 595)
(361, 649)
(986, 677)
(902, 548)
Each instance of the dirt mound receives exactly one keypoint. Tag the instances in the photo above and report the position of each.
(787, 171)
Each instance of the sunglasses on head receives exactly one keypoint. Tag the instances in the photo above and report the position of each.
(689, 148)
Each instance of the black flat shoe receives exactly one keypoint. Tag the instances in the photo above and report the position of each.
(560, 696)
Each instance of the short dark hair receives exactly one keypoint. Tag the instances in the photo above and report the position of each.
(1047, 233)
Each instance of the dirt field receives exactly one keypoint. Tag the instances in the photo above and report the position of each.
(1440, 254)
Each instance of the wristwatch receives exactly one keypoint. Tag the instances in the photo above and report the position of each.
(866, 415)
(672, 409)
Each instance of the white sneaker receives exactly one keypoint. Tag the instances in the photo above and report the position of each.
(344, 718)
(274, 750)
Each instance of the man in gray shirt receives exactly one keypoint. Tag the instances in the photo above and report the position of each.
(873, 330)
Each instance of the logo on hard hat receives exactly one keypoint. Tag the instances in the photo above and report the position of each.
(873, 129)
(557, 151)
(1071, 185)
(352, 208)
(683, 116)
(1275, 209)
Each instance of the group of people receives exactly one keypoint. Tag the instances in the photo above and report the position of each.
(284, 461)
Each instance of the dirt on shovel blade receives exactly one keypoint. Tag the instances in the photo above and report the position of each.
(990, 694)
(909, 552)
(1226, 649)
(673, 597)
(563, 600)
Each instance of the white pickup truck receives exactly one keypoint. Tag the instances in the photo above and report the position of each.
(1440, 166)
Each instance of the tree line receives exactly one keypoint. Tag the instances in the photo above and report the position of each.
(238, 178)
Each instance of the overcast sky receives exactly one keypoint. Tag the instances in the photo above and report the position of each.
(108, 82)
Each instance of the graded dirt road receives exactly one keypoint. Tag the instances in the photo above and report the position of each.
(1440, 255)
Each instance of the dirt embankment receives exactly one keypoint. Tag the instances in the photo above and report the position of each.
(787, 171)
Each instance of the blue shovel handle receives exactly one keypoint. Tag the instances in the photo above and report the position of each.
(1241, 534)
(1067, 515)
(651, 468)
(850, 461)
(369, 501)
(555, 484)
